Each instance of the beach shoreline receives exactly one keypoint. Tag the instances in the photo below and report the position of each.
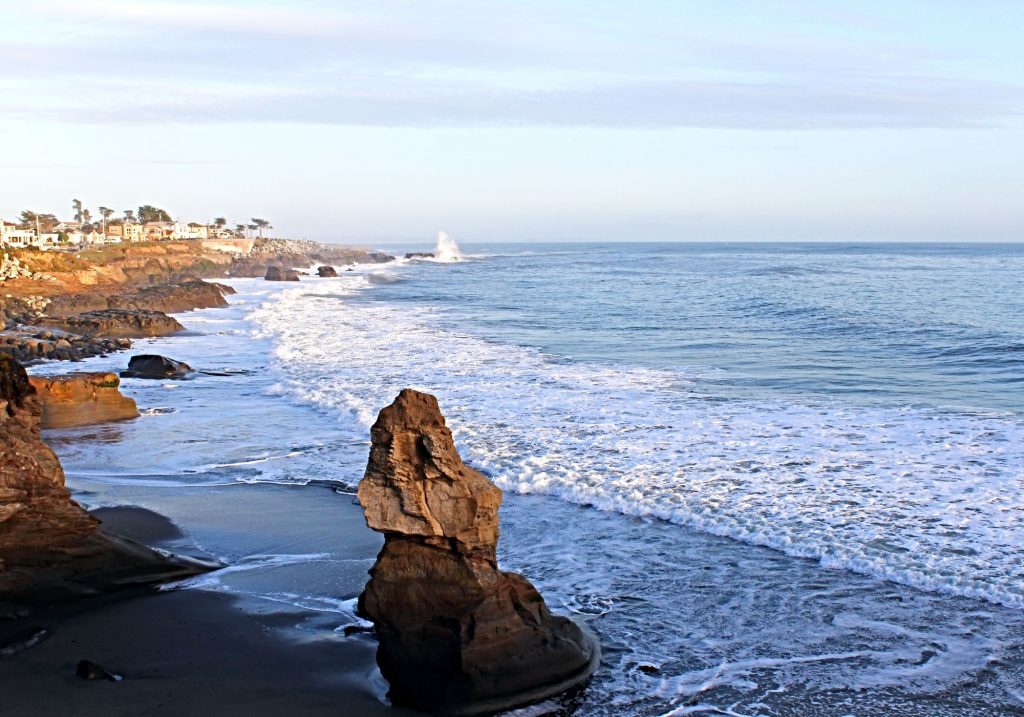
(686, 618)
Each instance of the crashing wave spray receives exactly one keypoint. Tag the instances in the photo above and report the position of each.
(446, 248)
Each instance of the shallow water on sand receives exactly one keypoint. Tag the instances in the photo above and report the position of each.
(691, 622)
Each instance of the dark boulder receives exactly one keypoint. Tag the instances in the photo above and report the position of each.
(276, 273)
(157, 367)
(326, 271)
(419, 255)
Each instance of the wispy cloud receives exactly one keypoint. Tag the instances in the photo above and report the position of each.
(465, 64)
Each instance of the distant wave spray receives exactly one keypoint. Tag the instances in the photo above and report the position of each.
(446, 248)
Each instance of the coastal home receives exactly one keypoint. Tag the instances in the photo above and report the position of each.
(221, 233)
(81, 238)
(12, 236)
(49, 240)
(193, 230)
(124, 233)
(67, 227)
(158, 231)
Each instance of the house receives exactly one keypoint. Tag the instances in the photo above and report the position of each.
(192, 230)
(81, 238)
(12, 236)
(158, 231)
(48, 240)
(124, 233)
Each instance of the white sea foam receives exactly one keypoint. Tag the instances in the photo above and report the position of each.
(446, 249)
(923, 497)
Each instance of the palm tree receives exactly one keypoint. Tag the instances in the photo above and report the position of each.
(106, 214)
(76, 204)
(260, 224)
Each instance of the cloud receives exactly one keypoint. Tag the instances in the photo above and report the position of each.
(461, 64)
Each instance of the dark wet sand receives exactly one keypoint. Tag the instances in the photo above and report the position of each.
(187, 652)
(184, 652)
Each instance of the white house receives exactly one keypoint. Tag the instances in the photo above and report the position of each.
(12, 236)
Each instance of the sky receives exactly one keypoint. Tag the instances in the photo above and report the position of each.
(648, 120)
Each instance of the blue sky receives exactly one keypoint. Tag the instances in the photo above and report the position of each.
(504, 121)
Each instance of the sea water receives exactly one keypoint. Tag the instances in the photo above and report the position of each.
(775, 479)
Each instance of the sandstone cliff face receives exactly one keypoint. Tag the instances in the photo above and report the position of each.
(456, 634)
(82, 399)
(37, 514)
(51, 549)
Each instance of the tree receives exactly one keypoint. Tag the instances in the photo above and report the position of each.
(46, 222)
(149, 213)
(87, 216)
(252, 228)
(220, 222)
(76, 204)
(129, 216)
(260, 224)
(240, 229)
(106, 213)
(29, 220)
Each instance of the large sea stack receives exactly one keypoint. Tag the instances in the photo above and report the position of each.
(457, 635)
(51, 549)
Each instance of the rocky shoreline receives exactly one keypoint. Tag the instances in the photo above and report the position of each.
(456, 635)
(58, 306)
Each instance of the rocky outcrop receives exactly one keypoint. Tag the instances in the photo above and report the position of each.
(419, 255)
(326, 272)
(156, 367)
(30, 345)
(276, 273)
(169, 298)
(115, 323)
(49, 547)
(82, 399)
(174, 298)
(457, 635)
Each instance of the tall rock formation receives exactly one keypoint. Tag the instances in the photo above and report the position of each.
(51, 549)
(457, 635)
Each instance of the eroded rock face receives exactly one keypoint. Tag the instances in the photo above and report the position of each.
(276, 273)
(456, 634)
(82, 399)
(51, 549)
(116, 323)
(36, 511)
(175, 297)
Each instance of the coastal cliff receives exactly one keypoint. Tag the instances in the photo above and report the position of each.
(457, 635)
(50, 548)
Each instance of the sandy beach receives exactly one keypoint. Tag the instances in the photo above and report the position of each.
(194, 650)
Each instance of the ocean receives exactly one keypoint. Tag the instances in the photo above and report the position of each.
(776, 479)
